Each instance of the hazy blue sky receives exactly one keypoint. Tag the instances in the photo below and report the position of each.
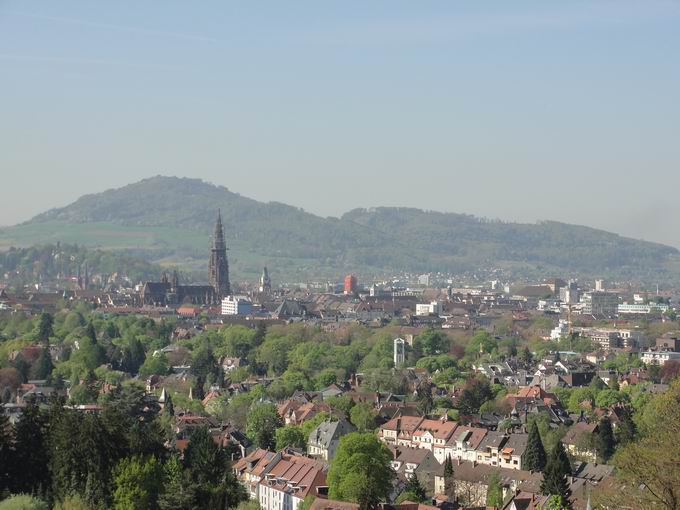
(514, 110)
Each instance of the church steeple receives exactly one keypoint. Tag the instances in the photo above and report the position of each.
(218, 234)
(265, 282)
(219, 265)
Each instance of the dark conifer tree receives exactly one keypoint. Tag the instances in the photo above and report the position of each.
(555, 482)
(6, 453)
(626, 430)
(210, 471)
(43, 366)
(534, 457)
(31, 453)
(605, 440)
(414, 487)
(45, 328)
(449, 481)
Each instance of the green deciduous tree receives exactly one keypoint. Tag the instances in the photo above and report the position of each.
(477, 391)
(290, 435)
(23, 502)
(361, 470)
(136, 483)
(362, 417)
(263, 420)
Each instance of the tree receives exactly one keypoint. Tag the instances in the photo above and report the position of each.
(626, 431)
(432, 342)
(203, 363)
(555, 474)
(449, 480)
(608, 398)
(556, 503)
(534, 456)
(361, 471)
(413, 491)
(5, 454)
(647, 476)
(362, 417)
(75, 502)
(31, 451)
(136, 483)
(154, 365)
(216, 486)
(604, 443)
(45, 330)
(494, 494)
(425, 401)
(477, 391)
(177, 492)
(290, 435)
(42, 368)
(23, 502)
(263, 420)
(341, 403)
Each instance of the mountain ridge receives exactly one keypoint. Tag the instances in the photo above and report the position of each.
(391, 238)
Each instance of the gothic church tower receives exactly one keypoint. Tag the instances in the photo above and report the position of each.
(219, 266)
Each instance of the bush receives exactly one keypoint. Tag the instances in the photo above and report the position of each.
(23, 502)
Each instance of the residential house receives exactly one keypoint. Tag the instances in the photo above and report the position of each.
(431, 433)
(577, 441)
(461, 445)
(249, 470)
(288, 479)
(324, 439)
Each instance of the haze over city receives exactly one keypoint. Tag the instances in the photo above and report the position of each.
(520, 111)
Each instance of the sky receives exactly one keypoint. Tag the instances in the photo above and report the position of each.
(520, 111)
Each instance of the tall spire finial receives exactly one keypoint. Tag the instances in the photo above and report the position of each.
(219, 266)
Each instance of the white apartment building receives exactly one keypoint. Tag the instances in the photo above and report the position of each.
(236, 305)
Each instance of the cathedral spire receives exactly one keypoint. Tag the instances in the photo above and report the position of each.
(218, 235)
(219, 266)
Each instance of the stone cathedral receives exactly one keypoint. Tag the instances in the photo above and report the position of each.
(169, 292)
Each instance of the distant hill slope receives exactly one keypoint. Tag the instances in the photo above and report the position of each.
(388, 239)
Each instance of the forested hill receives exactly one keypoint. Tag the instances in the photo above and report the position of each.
(384, 238)
(48, 261)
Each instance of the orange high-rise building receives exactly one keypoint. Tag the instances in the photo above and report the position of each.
(350, 284)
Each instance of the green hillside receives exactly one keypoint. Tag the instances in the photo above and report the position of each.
(169, 219)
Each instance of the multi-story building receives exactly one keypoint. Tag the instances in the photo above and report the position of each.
(324, 439)
(350, 284)
(431, 433)
(601, 303)
(433, 308)
(236, 305)
(461, 445)
(642, 309)
(249, 470)
(288, 479)
(659, 357)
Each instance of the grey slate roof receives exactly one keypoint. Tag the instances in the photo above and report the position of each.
(329, 431)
